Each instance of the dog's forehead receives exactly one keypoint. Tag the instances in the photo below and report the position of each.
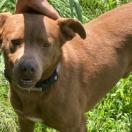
(28, 25)
(13, 26)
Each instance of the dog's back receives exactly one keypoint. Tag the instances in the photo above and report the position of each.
(104, 56)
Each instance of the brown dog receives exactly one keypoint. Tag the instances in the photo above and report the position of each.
(55, 79)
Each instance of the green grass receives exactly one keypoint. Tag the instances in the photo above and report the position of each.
(112, 114)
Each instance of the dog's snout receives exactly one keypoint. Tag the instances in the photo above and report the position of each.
(27, 67)
(26, 72)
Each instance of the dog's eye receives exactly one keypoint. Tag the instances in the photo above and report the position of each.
(46, 44)
(16, 42)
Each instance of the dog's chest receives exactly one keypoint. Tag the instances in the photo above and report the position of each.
(27, 106)
(30, 116)
(30, 110)
(38, 107)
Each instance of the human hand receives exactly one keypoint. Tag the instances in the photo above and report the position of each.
(40, 6)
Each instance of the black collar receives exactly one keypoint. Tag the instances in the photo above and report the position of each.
(45, 84)
(42, 84)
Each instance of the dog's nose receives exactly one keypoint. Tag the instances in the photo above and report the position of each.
(27, 67)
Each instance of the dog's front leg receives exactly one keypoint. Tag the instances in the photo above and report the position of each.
(79, 127)
(26, 125)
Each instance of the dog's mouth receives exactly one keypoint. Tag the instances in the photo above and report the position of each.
(26, 83)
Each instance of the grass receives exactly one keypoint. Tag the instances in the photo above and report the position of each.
(112, 114)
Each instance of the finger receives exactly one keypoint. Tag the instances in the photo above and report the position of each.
(41, 6)
(45, 8)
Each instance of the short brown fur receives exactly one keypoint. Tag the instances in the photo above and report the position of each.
(88, 68)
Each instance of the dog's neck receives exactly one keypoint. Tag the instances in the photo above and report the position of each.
(45, 84)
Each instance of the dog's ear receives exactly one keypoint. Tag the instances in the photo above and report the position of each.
(3, 17)
(69, 28)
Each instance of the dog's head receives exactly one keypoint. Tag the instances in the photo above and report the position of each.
(32, 45)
